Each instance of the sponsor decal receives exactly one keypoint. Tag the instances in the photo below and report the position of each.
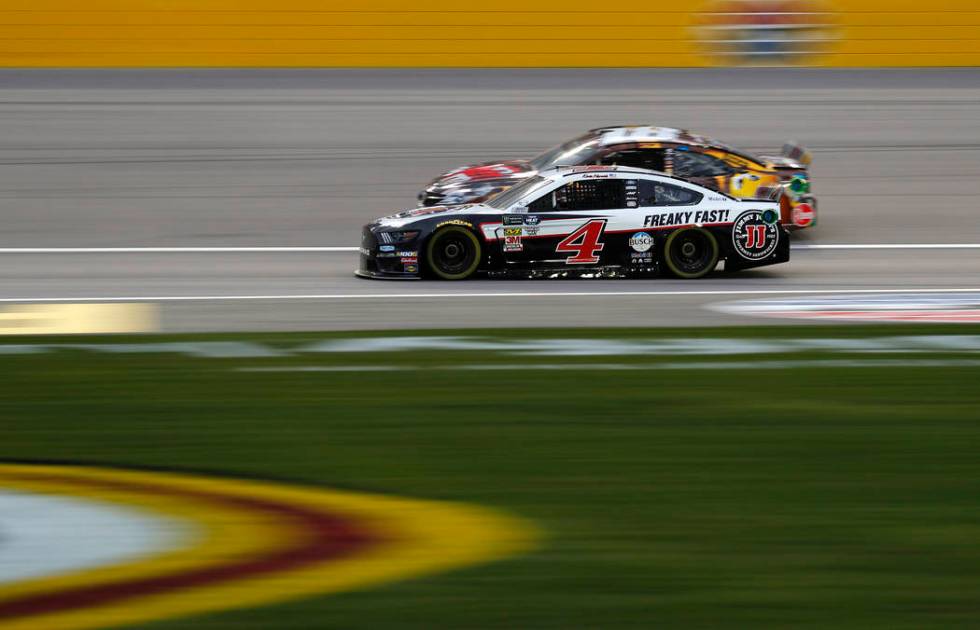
(754, 237)
(641, 242)
(803, 215)
(670, 219)
(409, 260)
(593, 167)
(744, 184)
(798, 186)
(641, 258)
(532, 219)
(401, 254)
(513, 219)
(631, 194)
(513, 231)
(411, 268)
(513, 244)
(532, 230)
(459, 222)
(386, 248)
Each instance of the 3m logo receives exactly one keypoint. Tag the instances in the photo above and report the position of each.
(584, 243)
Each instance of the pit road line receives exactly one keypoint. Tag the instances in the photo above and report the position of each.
(516, 294)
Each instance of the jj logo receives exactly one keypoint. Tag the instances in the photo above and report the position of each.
(753, 236)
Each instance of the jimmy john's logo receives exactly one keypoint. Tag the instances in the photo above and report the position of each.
(689, 217)
(755, 237)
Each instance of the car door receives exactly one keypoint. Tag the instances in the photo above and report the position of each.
(566, 226)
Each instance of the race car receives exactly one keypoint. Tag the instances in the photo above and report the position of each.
(702, 160)
(599, 221)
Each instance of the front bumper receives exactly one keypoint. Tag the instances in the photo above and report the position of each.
(397, 262)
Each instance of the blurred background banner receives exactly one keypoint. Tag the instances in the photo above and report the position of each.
(505, 33)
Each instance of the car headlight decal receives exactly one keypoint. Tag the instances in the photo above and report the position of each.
(398, 237)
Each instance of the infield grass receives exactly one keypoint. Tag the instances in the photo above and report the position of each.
(811, 497)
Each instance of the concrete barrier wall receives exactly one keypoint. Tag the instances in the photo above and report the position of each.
(501, 33)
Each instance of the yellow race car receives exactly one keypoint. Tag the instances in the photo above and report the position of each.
(784, 178)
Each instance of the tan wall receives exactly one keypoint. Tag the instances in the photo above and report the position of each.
(508, 33)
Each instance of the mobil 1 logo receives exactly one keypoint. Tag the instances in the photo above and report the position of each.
(755, 234)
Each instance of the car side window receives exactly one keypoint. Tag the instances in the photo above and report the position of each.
(588, 194)
(692, 164)
(653, 193)
(652, 159)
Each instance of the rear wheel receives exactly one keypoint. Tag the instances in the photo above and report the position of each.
(691, 253)
(453, 253)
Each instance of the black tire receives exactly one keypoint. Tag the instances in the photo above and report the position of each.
(691, 253)
(453, 253)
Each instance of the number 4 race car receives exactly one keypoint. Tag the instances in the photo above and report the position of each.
(603, 221)
(677, 152)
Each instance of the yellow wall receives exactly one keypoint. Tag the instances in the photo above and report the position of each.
(451, 33)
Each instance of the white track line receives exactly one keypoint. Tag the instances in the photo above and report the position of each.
(516, 294)
(336, 249)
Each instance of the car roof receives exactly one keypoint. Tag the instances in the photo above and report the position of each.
(623, 134)
(565, 171)
(557, 172)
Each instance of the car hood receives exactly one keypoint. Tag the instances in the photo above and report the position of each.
(474, 183)
(509, 169)
(413, 215)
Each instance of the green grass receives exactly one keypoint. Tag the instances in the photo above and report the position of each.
(804, 498)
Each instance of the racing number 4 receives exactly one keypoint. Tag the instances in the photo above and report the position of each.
(583, 243)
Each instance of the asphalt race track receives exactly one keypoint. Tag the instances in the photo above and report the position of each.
(294, 159)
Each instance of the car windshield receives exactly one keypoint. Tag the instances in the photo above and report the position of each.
(572, 153)
(507, 198)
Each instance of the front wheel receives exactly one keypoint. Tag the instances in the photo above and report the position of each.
(453, 253)
(691, 253)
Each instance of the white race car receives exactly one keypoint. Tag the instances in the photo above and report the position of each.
(597, 220)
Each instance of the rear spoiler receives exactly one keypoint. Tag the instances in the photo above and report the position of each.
(792, 156)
